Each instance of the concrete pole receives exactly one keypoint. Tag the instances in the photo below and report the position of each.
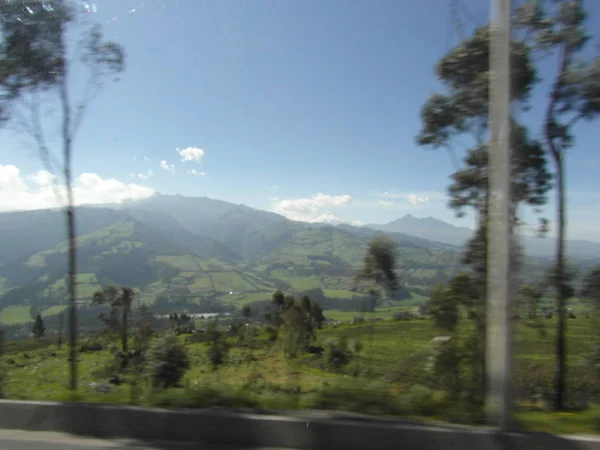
(498, 339)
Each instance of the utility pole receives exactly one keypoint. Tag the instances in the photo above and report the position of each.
(499, 290)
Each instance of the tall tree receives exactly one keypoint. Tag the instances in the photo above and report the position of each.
(34, 64)
(591, 286)
(38, 329)
(557, 29)
(462, 110)
(379, 264)
(299, 326)
(60, 330)
(120, 303)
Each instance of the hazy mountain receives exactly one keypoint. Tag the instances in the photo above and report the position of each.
(172, 230)
(246, 231)
(127, 252)
(28, 232)
(197, 249)
(24, 233)
(437, 230)
(427, 228)
(401, 238)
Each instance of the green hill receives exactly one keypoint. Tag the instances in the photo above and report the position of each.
(180, 252)
(126, 253)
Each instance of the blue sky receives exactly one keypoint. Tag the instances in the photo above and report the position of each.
(308, 108)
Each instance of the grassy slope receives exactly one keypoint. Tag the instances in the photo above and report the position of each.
(394, 351)
(201, 276)
(247, 282)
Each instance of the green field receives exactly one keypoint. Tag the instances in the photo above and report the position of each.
(394, 355)
(12, 315)
(338, 293)
(394, 350)
(53, 310)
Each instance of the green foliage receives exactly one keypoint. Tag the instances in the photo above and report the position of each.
(167, 362)
(591, 286)
(246, 311)
(316, 313)
(466, 356)
(204, 395)
(360, 397)
(218, 347)
(32, 54)
(531, 296)
(338, 354)
(379, 264)
(38, 328)
(444, 309)
(33, 312)
(120, 303)
(447, 368)
(574, 96)
(299, 329)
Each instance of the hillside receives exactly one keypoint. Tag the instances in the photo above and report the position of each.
(249, 232)
(128, 253)
(197, 253)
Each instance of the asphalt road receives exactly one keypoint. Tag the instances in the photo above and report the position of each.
(26, 440)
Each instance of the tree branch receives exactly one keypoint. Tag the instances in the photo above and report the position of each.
(564, 59)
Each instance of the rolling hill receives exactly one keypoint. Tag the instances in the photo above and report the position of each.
(198, 251)
(127, 252)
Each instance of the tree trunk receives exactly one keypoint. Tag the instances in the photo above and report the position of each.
(124, 343)
(72, 293)
(72, 263)
(559, 284)
(60, 329)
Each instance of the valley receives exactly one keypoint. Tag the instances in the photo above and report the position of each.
(196, 255)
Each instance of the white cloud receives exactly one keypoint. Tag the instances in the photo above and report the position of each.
(18, 193)
(145, 176)
(414, 198)
(146, 158)
(194, 172)
(311, 209)
(191, 154)
(169, 167)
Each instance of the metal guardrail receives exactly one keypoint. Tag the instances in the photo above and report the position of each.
(299, 429)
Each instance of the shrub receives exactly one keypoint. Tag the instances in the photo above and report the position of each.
(167, 362)
(358, 397)
(420, 401)
(204, 396)
(338, 355)
(91, 345)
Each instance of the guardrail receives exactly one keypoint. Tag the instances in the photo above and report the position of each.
(297, 430)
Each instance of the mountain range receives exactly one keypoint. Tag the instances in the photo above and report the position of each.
(207, 253)
(437, 230)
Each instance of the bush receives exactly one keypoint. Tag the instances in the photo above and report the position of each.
(92, 345)
(168, 361)
(358, 397)
(338, 355)
(420, 401)
(204, 396)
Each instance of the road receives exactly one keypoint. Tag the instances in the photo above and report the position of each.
(26, 440)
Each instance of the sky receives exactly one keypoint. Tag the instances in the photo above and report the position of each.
(305, 108)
